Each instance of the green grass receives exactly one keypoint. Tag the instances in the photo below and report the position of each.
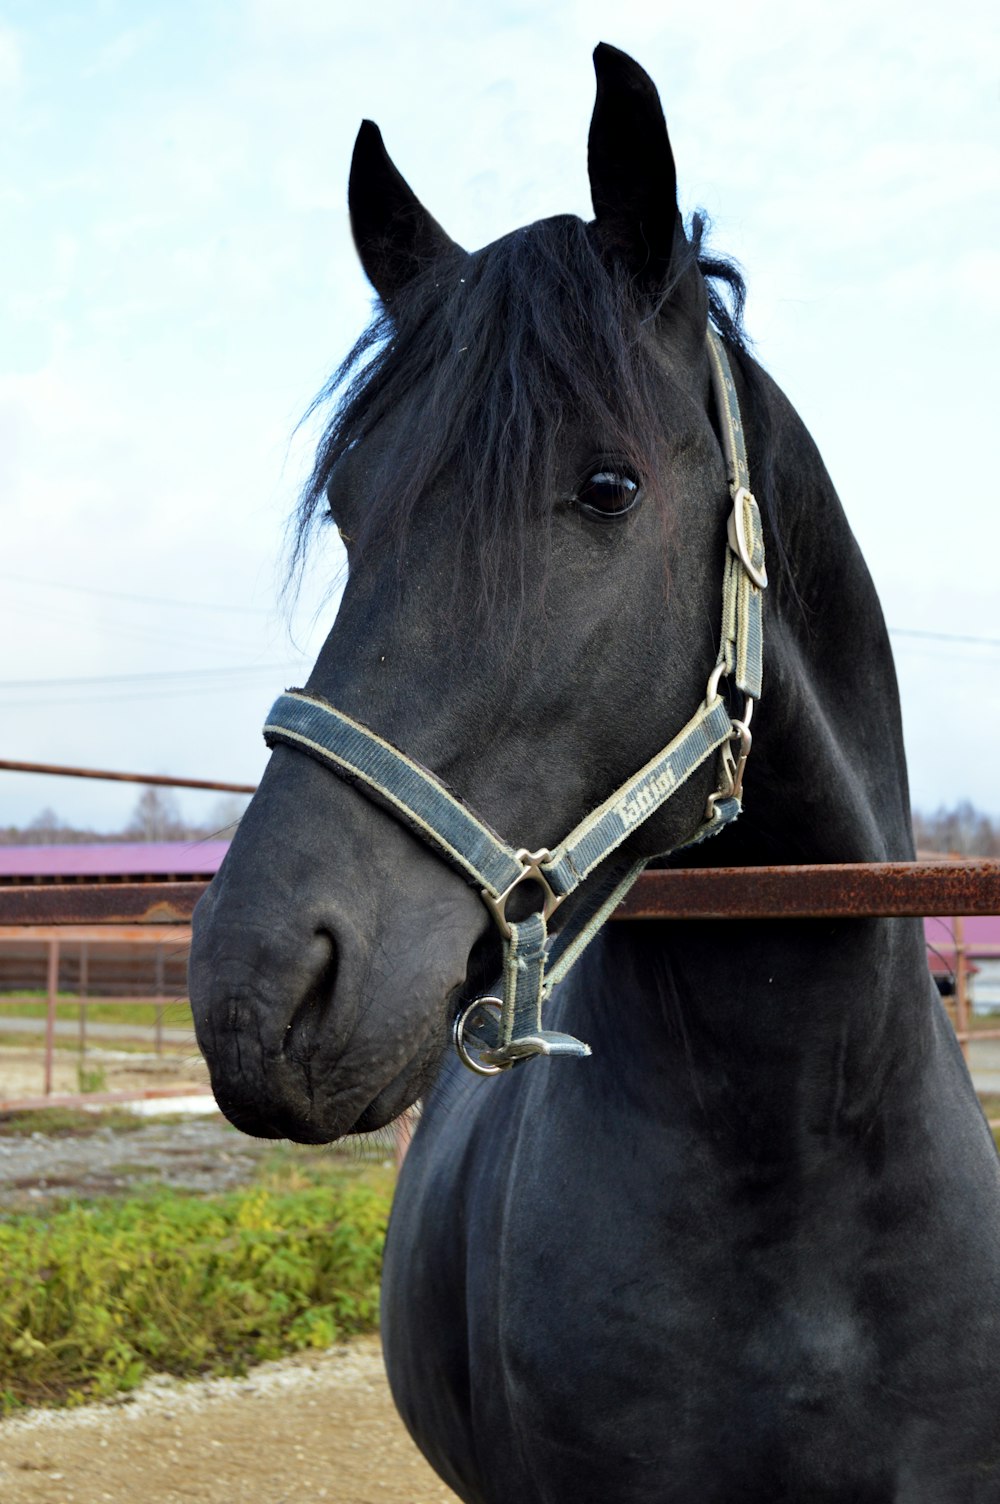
(176, 1012)
(124, 1046)
(129, 1016)
(978, 1021)
(96, 1296)
(990, 1103)
(91, 1078)
(66, 1122)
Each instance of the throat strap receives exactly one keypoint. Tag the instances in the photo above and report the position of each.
(510, 1028)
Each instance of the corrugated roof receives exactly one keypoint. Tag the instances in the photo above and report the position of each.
(113, 859)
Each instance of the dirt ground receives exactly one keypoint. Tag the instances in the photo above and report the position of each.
(315, 1427)
(308, 1429)
(22, 1070)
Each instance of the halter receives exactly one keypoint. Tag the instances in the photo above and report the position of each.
(494, 1033)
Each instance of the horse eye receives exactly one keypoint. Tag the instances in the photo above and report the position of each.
(608, 494)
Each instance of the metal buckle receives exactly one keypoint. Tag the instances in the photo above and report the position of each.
(736, 531)
(531, 871)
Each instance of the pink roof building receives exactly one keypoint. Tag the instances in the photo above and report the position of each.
(112, 861)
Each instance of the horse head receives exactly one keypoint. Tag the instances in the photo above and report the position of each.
(525, 466)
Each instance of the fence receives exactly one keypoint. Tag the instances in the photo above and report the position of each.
(27, 919)
(56, 940)
(108, 962)
(846, 890)
(159, 913)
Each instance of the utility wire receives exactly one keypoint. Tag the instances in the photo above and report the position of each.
(161, 600)
(227, 672)
(121, 595)
(129, 696)
(987, 642)
(149, 678)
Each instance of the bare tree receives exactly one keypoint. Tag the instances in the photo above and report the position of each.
(45, 829)
(225, 814)
(156, 817)
(964, 830)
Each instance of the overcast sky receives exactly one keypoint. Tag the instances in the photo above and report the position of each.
(178, 281)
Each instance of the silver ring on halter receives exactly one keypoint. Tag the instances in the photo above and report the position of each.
(493, 1004)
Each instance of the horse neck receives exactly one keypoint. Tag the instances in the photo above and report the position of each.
(795, 1021)
(827, 779)
(777, 1041)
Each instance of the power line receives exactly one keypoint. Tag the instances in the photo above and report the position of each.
(175, 636)
(161, 600)
(986, 642)
(148, 678)
(129, 696)
(121, 595)
(228, 671)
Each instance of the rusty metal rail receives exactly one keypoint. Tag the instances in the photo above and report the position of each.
(160, 912)
(99, 903)
(8, 765)
(847, 890)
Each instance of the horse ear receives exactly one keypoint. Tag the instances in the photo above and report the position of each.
(394, 234)
(633, 181)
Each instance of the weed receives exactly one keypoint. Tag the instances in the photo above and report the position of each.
(97, 1296)
(66, 1122)
(91, 1078)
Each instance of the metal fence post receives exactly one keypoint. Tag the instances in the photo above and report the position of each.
(158, 986)
(82, 995)
(50, 1012)
(961, 985)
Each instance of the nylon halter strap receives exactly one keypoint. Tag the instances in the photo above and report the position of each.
(496, 1032)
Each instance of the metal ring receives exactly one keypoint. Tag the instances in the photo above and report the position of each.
(714, 680)
(458, 1035)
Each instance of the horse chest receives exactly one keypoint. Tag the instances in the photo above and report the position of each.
(587, 1320)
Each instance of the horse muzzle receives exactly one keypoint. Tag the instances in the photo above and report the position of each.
(314, 1030)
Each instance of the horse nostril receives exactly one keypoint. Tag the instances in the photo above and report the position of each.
(306, 1023)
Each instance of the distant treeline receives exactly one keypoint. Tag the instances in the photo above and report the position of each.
(156, 817)
(964, 830)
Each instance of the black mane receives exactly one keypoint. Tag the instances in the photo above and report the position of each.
(489, 356)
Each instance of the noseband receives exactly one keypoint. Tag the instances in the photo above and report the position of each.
(493, 1033)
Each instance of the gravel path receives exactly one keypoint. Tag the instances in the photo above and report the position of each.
(309, 1429)
(195, 1154)
(315, 1429)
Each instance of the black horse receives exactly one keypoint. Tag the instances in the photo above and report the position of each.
(750, 1250)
